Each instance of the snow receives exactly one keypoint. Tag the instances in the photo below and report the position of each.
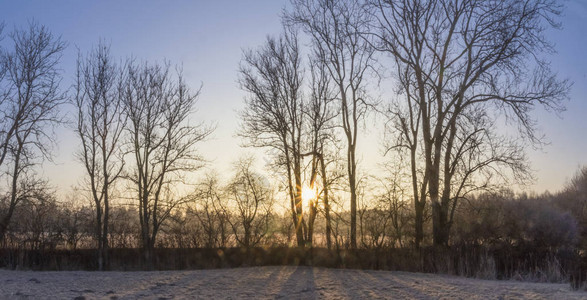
(268, 282)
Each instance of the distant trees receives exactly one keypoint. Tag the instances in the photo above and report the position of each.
(505, 219)
(207, 209)
(29, 108)
(161, 142)
(393, 198)
(100, 125)
(248, 204)
(75, 223)
(573, 199)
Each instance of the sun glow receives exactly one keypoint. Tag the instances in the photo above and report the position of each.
(308, 194)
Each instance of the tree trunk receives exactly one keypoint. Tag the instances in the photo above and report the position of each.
(326, 204)
(312, 218)
(13, 191)
(443, 223)
(419, 222)
(4, 225)
(148, 251)
(352, 184)
(105, 243)
(146, 241)
(298, 205)
(99, 237)
(441, 226)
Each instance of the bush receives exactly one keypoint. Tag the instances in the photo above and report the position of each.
(541, 264)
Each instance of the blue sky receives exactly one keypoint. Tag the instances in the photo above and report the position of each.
(207, 38)
(556, 163)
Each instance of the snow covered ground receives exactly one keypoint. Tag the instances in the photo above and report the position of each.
(268, 282)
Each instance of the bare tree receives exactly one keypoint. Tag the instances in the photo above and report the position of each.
(162, 142)
(211, 218)
(336, 30)
(100, 124)
(29, 101)
(76, 221)
(249, 202)
(392, 199)
(38, 214)
(374, 221)
(124, 227)
(320, 122)
(462, 66)
(273, 116)
(404, 122)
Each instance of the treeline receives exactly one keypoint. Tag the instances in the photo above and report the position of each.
(547, 221)
(499, 235)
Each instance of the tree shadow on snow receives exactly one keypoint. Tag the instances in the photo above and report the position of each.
(300, 284)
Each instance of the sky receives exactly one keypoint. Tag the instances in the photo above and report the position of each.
(207, 38)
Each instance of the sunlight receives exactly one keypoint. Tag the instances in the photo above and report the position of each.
(308, 194)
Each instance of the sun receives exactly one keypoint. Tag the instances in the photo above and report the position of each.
(308, 194)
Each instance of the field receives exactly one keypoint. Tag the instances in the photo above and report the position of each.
(268, 282)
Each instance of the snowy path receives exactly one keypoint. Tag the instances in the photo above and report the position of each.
(268, 282)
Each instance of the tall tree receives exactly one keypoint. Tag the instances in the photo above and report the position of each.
(336, 28)
(463, 66)
(162, 142)
(320, 122)
(29, 108)
(99, 127)
(273, 116)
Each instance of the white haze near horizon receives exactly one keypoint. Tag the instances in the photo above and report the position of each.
(207, 38)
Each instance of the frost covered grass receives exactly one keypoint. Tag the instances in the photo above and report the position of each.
(268, 282)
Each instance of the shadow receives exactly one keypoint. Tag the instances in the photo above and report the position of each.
(299, 285)
(363, 284)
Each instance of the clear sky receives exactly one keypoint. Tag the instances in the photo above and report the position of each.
(207, 38)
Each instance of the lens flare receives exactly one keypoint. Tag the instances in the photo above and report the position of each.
(308, 194)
